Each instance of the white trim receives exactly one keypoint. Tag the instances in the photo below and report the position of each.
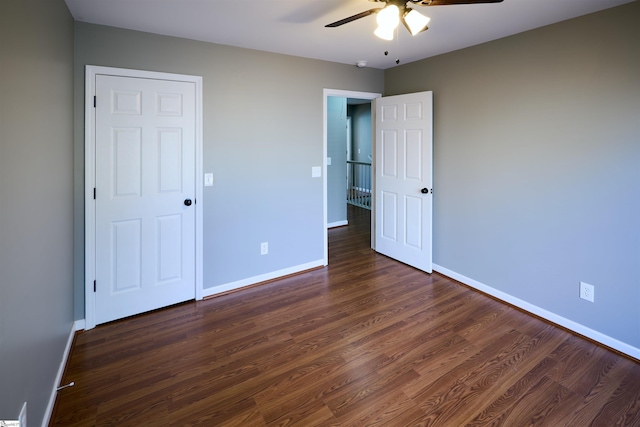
(63, 364)
(363, 190)
(337, 224)
(89, 177)
(262, 278)
(344, 94)
(547, 315)
(79, 325)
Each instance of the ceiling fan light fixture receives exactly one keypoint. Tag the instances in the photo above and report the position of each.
(384, 33)
(389, 17)
(415, 21)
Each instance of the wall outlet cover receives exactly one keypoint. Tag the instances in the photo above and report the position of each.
(587, 291)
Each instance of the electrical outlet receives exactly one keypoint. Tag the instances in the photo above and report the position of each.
(264, 248)
(587, 291)
(22, 418)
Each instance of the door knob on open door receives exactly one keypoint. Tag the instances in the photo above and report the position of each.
(187, 202)
(425, 191)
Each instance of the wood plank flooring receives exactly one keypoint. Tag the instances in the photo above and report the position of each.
(365, 342)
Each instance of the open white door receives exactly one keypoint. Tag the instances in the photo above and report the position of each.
(145, 133)
(403, 178)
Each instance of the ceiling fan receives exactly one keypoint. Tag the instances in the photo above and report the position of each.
(396, 11)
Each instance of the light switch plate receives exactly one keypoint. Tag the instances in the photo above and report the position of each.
(316, 172)
(208, 179)
(328, 161)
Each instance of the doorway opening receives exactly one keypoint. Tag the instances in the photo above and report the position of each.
(359, 153)
(348, 157)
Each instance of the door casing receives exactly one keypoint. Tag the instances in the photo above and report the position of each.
(90, 158)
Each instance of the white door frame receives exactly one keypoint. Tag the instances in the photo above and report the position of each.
(89, 178)
(326, 93)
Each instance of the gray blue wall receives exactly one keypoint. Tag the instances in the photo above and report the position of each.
(337, 151)
(361, 127)
(263, 132)
(537, 165)
(36, 201)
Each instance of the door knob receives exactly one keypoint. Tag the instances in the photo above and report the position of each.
(187, 202)
(425, 191)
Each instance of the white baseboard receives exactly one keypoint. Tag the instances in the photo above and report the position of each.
(79, 325)
(261, 278)
(63, 363)
(337, 224)
(545, 314)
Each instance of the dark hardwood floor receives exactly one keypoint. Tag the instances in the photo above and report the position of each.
(365, 342)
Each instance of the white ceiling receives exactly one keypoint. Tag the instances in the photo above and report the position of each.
(296, 27)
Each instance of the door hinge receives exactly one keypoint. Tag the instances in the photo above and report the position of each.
(94, 193)
(94, 286)
(94, 101)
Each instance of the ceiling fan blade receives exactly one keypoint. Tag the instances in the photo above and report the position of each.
(452, 2)
(353, 18)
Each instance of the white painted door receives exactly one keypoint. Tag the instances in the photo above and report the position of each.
(403, 205)
(145, 178)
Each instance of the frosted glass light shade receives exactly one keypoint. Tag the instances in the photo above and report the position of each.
(384, 33)
(389, 17)
(416, 22)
